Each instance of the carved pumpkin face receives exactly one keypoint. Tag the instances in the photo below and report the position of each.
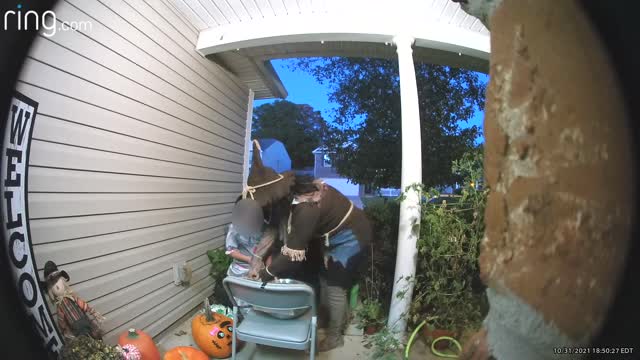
(213, 337)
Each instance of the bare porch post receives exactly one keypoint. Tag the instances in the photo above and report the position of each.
(411, 174)
(247, 139)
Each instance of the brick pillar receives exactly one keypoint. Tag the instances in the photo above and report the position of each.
(558, 162)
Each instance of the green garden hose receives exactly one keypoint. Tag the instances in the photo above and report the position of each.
(433, 349)
(437, 353)
(413, 335)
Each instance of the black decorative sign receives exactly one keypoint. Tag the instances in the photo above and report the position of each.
(15, 215)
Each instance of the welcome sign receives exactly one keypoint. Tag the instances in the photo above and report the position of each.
(15, 216)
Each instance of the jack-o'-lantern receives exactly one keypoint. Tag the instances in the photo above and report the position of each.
(185, 353)
(212, 332)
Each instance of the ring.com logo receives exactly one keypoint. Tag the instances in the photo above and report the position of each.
(48, 21)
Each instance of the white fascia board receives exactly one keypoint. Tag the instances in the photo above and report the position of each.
(378, 29)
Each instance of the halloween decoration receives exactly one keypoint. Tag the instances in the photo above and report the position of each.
(264, 184)
(84, 347)
(75, 316)
(131, 352)
(212, 332)
(142, 341)
(222, 310)
(324, 220)
(185, 353)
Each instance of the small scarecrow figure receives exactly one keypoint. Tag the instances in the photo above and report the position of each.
(75, 316)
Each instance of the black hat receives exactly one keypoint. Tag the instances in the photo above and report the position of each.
(52, 274)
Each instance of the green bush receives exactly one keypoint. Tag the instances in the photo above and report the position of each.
(369, 313)
(219, 263)
(384, 344)
(378, 282)
(448, 248)
(447, 276)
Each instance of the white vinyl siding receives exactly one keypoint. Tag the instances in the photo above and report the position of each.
(136, 158)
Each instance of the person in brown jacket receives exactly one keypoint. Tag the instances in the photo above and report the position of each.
(324, 220)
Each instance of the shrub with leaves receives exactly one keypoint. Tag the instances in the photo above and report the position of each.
(219, 263)
(447, 289)
(369, 313)
(87, 348)
(378, 282)
(384, 344)
(448, 248)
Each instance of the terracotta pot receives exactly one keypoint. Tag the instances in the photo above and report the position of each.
(371, 329)
(431, 335)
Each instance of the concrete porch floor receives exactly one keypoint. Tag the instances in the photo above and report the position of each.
(353, 347)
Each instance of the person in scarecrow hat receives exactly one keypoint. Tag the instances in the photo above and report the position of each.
(270, 191)
(324, 220)
(268, 188)
(75, 316)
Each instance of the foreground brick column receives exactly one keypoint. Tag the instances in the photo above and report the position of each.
(557, 160)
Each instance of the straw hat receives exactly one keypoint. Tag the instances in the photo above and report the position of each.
(265, 185)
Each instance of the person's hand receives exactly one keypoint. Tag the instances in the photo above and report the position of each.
(255, 266)
(265, 276)
(477, 347)
(253, 274)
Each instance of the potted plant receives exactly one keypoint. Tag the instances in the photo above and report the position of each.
(219, 265)
(431, 333)
(369, 316)
(384, 344)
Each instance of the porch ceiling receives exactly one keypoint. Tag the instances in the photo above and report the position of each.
(243, 35)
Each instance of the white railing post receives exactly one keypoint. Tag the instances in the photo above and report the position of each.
(247, 139)
(411, 174)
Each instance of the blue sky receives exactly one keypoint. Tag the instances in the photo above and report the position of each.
(304, 89)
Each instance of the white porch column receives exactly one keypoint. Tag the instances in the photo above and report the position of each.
(247, 139)
(411, 174)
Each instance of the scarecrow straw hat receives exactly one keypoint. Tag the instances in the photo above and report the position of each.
(264, 184)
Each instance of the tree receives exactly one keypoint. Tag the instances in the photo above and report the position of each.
(300, 128)
(366, 136)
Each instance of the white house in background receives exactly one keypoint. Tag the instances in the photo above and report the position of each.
(323, 169)
(274, 154)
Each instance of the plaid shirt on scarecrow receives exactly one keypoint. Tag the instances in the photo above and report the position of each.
(76, 317)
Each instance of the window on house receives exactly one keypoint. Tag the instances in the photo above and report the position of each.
(326, 160)
(368, 189)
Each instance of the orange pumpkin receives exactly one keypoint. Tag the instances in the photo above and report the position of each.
(142, 341)
(185, 353)
(212, 332)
